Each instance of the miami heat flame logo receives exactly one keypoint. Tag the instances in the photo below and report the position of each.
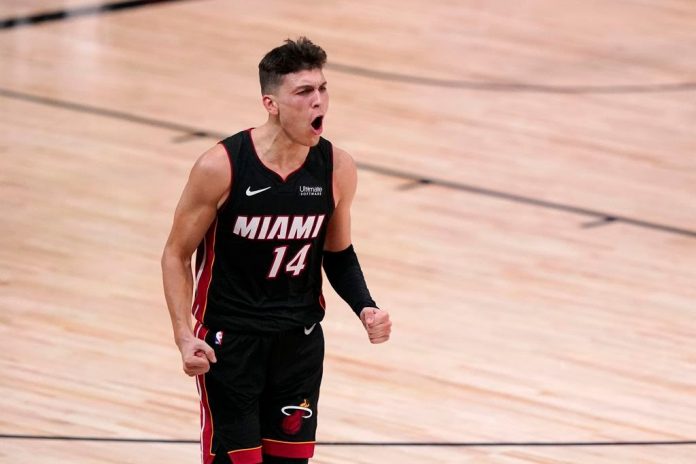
(292, 422)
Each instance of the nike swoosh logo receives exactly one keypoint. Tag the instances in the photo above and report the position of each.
(251, 193)
(309, 331)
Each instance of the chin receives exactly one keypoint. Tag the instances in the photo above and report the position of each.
(310, 140)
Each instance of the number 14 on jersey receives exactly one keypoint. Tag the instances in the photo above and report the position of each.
(294, 267)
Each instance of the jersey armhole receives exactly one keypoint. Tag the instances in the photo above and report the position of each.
(331, 176)
(229, 195)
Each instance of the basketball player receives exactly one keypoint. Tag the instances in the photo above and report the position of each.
(265, 208)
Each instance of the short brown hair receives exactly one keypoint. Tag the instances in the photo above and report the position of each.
(292, 56)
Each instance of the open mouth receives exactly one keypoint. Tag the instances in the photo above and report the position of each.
(317, 122)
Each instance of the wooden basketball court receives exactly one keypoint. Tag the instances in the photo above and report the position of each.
(526, 211)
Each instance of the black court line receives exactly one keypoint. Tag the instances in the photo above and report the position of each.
(371, 443)
(517, 87)
(80, 108)
(396, 173)
(89, 10)
(598, 223)
(525, 200)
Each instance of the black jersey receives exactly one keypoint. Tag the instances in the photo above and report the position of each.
(258, 267)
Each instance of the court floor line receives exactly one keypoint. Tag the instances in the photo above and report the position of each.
(384, 443)
(87, 10)
(517, 87)
(487, 86)
(420, 180)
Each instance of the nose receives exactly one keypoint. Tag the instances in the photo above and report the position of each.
(316, 103)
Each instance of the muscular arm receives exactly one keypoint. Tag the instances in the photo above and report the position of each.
(346, 275)
(207, 188)
(345, 183)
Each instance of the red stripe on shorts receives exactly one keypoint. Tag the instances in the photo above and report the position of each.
(288, 449)
(246, 456)
(207, 455)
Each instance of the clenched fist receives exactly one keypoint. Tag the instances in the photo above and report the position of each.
(196, 356)
(377, 324)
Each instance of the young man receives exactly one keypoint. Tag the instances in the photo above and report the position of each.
(264, 209)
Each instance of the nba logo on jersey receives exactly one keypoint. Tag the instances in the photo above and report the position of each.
(218, 338)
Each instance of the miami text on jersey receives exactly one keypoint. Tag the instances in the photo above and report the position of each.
(278, 227)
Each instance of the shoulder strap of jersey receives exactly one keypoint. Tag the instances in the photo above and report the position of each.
(326, 149)
(233, 147)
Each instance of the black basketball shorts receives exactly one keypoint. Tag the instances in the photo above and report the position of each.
(261, 396)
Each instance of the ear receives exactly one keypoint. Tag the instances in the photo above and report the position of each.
(270, 104)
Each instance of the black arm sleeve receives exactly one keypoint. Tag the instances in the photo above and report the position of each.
(343, 270)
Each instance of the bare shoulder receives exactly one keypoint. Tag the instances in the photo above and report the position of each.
(211, 175)
(345, 175)
(342, 161)
(213, 162)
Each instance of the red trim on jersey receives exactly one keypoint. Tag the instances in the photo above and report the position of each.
(331, 179)
(205, 272)
(288, 449)
(229, 195)
(246, 456)
(206, 423)
(282, 179)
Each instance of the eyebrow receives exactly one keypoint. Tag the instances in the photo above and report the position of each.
(308, 86)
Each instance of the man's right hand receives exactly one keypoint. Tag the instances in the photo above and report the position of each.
(196, 356)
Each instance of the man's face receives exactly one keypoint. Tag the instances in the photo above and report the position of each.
(302, 101)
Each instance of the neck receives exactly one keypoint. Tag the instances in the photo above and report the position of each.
(275, 148)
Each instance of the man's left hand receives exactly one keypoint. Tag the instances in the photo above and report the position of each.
(377, 324)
